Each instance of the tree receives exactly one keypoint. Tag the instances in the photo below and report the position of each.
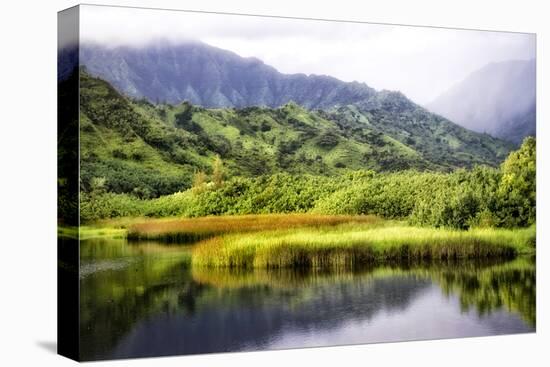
(517, 189)
(97, 190)
(97, 185)
(199, 181)
(217, 172)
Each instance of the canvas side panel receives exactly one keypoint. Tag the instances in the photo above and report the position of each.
(68, 183)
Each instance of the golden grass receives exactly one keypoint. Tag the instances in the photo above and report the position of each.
(317, 241)
(195, 229)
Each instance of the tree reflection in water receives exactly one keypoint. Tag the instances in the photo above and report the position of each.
(145, 300)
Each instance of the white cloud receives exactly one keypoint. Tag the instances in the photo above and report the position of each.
(420, 62)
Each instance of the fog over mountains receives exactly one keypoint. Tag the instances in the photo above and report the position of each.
(212, 77)
(499, 99)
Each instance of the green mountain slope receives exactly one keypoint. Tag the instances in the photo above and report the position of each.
(433, 137)
(151, 150)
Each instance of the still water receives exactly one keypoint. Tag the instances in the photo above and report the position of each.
(144, 299)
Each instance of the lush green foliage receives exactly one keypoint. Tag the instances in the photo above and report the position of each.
(485, 197)
(517, 190)
(461, 199)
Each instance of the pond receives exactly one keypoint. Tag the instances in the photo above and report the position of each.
(144, 299)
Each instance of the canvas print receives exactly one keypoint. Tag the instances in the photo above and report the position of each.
(240, 183)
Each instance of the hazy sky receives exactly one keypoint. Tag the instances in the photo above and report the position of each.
(420, 62)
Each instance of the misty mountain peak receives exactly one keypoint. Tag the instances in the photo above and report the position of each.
(498, 99)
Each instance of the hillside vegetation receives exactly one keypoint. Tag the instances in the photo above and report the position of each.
(481, 197)
(145, 150)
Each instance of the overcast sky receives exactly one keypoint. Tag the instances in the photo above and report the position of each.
(420, 62)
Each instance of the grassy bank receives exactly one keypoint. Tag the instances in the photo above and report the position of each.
(184, 230)
(354, 244)
(90, 232)
(315, 241)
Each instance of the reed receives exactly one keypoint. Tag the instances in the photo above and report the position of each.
(354, 244)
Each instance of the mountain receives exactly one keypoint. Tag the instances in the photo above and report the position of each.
(153, 149)
(212, 77)
(499, 99)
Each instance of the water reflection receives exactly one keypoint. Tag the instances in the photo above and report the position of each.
(145, 300)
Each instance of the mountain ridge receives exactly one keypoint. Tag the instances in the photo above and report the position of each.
(212, 77)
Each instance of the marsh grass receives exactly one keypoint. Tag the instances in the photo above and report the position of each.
(318, 241)
(90, 232)
(351, 245)
(186, 230)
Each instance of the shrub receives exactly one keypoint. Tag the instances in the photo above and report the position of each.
(481, 197)
(517, 190)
